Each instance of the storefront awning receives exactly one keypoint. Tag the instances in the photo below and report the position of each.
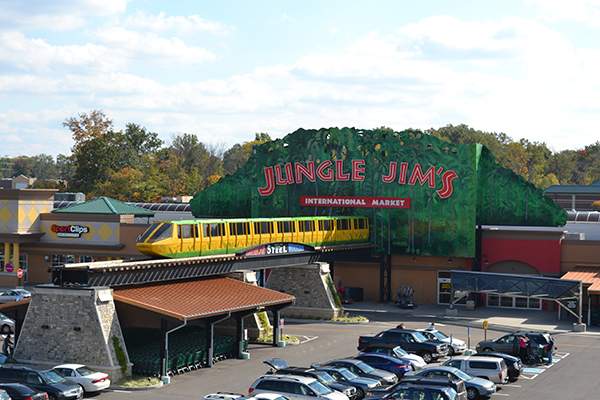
(587, 275)
(200, 298)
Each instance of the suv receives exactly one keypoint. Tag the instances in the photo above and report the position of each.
(50, 381)
(280, 367)
(390, 392)
(490, 368)
(361, 369)
(294, 388)
(509, 344)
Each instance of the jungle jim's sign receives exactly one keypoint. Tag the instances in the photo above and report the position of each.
(294, 174)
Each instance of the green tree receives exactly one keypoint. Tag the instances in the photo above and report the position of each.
(124, 185)
(22, 166)
(87, 126)
(140, 141)
(44, 167)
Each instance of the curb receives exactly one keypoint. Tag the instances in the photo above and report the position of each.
(135, 389)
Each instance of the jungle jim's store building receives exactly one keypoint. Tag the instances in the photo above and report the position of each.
(432, 206)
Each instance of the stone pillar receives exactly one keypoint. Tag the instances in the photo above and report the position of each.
(308, 283)
(73, 325)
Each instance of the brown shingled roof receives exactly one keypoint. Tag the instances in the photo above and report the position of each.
(587, 275)
(199, 298)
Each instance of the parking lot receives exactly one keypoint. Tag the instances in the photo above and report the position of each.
(572, 374)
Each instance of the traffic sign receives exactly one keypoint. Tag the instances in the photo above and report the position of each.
(19, 273)
(485, 324)
(8, 268)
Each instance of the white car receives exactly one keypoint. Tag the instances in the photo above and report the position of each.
(14, 295)
(457, 346)
(7, 325)
(90, 381)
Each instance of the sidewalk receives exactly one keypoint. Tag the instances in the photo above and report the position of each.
(497, 318)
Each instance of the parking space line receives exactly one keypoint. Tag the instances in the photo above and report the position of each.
(308, 339)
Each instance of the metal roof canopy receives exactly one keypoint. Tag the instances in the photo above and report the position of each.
(528, 286)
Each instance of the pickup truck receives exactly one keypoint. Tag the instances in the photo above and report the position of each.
(411, 341)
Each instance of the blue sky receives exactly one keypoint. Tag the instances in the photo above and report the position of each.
(223, 70)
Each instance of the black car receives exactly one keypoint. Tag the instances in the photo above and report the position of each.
(280, 367)
(425, 392)
(390, 392)
(411, 341)
(49, 381)
(365, 370)
(513, 364)
(17, 391)
(509, 344)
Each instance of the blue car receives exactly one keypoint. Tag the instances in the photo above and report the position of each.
(385, 362)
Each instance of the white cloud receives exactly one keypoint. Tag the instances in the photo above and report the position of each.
(56, 15)
(334, 30)
(148, 46)
(286, 18)
(181, 24)
(586, 11)
(37, 55)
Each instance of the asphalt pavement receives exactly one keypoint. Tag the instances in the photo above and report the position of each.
(497, 318)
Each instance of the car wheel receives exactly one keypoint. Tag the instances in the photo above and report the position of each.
(52, 396)
(451, 352)
(5, 329)
(82, 388)
(426, 355)
(472, 393)
(360, 393)
(488, 349)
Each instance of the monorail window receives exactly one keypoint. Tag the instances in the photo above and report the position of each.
(195, 231)
(263, 227)
(183, 232)
(327, 225)
(342, 224)
(205, 230)
(242, 228)
(149, 231)
(285, 226)
(216, 230)
(163, 232)
(359, 223)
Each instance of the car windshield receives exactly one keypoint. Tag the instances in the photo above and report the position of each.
(51, 377)
(319, 388)
(346, 373)
(85, 371)
(324, 377)
(365, 367)
(462, 375)
(5, 317)
(419, 337)
(400, 352)
(439, 335)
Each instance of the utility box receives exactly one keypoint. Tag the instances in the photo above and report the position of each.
(470, 305)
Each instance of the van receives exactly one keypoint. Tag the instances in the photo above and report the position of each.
(491, 368)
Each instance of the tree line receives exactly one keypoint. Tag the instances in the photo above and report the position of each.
(134, 165)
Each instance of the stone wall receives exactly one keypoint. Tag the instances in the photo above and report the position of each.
(72, 325)
(308, 283)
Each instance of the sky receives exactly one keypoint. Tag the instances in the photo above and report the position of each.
(225, 70)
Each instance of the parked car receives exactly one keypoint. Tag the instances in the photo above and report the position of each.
(343, 375)
(17, 391)
(294, 388)
(386, 363)
(50, 381)
(424, 392)
(514, 364)
(490, 368)
(455, 346)
(236, 396)
(389, 392)
(14, 295)
(475, 386)
(280, 367)
(7, 324)
(4, 395)
(364, 370)
(411, 341)
(416, 361)
(89, 380)
(509, 344)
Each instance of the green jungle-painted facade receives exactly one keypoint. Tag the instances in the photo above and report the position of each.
(449, 189)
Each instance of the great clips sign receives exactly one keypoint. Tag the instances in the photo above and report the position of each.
(327, 171)
(70, 231)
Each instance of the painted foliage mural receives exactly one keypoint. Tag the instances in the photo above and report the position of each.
(422, 195)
